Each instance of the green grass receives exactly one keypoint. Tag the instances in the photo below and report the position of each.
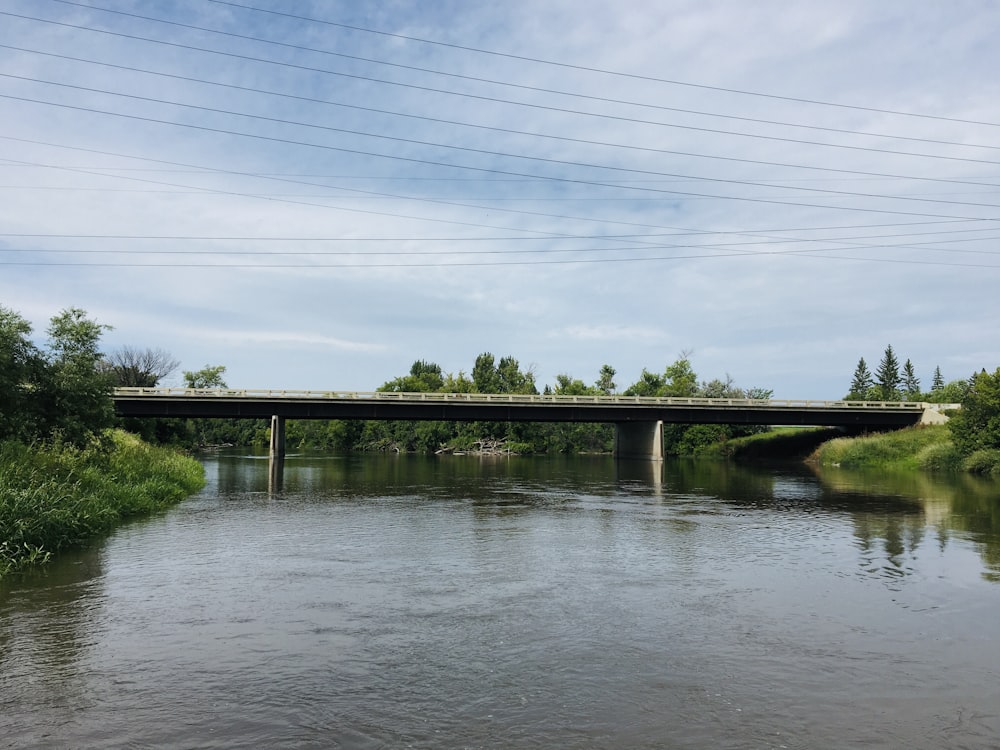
(927, 448)
(53, 498)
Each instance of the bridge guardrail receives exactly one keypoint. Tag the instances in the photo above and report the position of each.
(251, 393)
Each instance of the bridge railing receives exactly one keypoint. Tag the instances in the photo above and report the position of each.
(251, 393)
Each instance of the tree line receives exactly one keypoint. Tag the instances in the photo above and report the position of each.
(61, 392)
(506, 375)
(892, 382)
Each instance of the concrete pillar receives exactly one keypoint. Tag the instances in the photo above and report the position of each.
(277, 437)
(639, 440)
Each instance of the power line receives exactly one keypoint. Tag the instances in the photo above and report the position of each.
(494, 128)
(507, 155)
(537, 89)
(634, 76)
(479, 97)
(430, 162)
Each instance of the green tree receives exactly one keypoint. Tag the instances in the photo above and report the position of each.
(484, 374)
(648, 384)
(681, 379)
(938, 382)
(887, 376)
(513, 379)
(210, 376)
(976, 426)
(606, 380)
(568, 386)
(861, 383)
(76, 397)
(424, 377)
(911, 384)
(20, 367)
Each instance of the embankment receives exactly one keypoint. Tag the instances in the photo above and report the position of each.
(54, 498)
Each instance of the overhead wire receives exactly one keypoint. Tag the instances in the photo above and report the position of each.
(522, 58)
(509, 174)
(494, 128)
(480, 97)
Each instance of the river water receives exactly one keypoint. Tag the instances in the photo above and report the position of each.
(456, 602)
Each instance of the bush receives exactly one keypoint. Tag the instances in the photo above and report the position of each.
(59, 496)
(940, 457)
(985, 462)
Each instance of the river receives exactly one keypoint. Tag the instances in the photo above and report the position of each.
(458, 602)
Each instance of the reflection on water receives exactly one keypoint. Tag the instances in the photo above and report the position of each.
(399, 601)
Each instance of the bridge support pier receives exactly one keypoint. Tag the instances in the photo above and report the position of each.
(276, 455)
(277, 448)
(639, 440)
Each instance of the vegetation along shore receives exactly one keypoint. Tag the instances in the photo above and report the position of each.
(66, 474)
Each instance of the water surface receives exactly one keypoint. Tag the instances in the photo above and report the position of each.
(383, 602)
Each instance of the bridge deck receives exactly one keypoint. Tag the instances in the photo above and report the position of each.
(248, 403)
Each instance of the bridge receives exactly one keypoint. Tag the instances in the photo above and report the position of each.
(638, 419)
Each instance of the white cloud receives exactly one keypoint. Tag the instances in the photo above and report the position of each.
(352, 265)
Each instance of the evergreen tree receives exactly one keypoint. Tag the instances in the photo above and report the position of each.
(938, 383)
(861, 381)
(887, 376)
(911, 384)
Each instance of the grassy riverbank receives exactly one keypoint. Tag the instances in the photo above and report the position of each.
(53, 498)
(779, 444)
(927, 448)
(924, 448)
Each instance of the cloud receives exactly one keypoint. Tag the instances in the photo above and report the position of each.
(734, 179)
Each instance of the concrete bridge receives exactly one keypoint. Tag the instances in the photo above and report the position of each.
(638, 419)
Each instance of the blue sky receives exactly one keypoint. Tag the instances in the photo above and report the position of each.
(318, 196)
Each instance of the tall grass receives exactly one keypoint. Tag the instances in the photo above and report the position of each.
(56, 497)
(928, 448)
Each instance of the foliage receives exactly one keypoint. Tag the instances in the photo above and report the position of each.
(938, 382)
(951, 393)
(887, 376)
(210, 376)
(985, 461)
(60, 496)
(899, 449)
(861, 383)
(976, 426)
(911, 383)
(606, 380)
(59, 393)
(138, 368)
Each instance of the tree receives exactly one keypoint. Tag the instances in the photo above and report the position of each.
(887, 376)
(139, 368)
(210, 376)
(424, 377)
(911, 384)
(976, 426)
(649, 384)
(76, 396)
(681, 379)
(484, 374)
(861, 383)
(20, 364)
(606, 380)
(568, 386)
(512, 379)
(938, 382)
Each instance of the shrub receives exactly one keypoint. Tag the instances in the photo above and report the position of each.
(985, 461)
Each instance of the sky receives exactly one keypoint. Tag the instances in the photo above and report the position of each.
(317, 194)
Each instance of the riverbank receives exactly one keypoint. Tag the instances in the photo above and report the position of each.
(922, 448)
(54, 498)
